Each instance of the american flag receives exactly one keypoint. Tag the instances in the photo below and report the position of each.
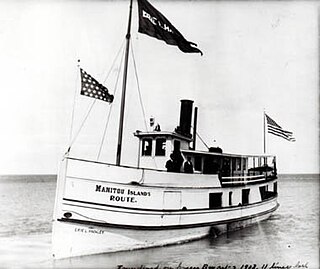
(276, 129)
(92, 88)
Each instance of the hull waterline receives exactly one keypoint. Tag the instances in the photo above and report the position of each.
(78, 238)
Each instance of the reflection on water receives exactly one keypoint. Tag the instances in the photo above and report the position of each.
(291, 235)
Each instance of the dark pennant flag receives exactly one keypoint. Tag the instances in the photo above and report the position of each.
(92, 88)
(276, 129)
(153, 23)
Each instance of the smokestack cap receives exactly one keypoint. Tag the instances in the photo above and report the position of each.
(185, 118)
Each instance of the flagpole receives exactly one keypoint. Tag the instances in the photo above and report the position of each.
(73, 108)
(124, 85)
(264, 132)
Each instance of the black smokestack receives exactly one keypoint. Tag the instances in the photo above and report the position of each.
(195, 119)
(185, 118)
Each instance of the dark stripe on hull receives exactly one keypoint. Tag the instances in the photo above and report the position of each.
(182, 226)
(187, 211)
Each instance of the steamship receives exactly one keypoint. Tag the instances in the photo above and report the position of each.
(107, 207)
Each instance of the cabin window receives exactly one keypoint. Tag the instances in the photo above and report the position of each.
(211, 165)
(265, 161)
(233, 165)
(208, 165)
(244, 164)
(216, 165)
(250, 162)
(215, 200)
(275, 187)
(245, 196)
(230, 198)
(226, 167)
(146, 147)
(238, 164)
(161, 147)
(197, 163)
(263, 192)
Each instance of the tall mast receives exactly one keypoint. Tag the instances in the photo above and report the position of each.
(124, 86)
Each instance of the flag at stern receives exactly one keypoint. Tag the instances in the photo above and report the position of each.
(276, 129)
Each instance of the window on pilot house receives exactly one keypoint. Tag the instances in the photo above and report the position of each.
(176, 145)
(215, 200)
(161, 147)
(146, 147)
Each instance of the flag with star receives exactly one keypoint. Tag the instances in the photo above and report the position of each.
(275, 129)
(92, 88)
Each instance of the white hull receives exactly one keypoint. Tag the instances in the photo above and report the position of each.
(73, 239)
(101, 208)
(90, 239)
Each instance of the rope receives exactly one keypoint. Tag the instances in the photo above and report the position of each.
(198, 135)
(111, 105)
(72, 119)
(86, 117)
(140, 97)
(202, 140)
(138, 86)
(121, 48)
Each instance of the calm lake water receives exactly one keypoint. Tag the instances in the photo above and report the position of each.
(289, 238)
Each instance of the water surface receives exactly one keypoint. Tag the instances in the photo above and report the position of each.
(289, 238)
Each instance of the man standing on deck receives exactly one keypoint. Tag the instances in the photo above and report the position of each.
(188, 166)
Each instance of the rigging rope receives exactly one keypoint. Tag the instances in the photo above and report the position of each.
(140, 97)
(111, 105)
(202, 140)
(86, 117)
(139, 93)
(121, 48)
(198, 135)
(138, 86)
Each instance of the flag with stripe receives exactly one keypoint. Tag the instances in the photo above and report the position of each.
(276, 129)
(92, 88)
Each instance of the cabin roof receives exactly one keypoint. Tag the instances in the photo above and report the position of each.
(207, 153)
(165, 134)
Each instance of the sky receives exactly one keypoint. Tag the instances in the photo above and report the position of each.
(258, 55)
